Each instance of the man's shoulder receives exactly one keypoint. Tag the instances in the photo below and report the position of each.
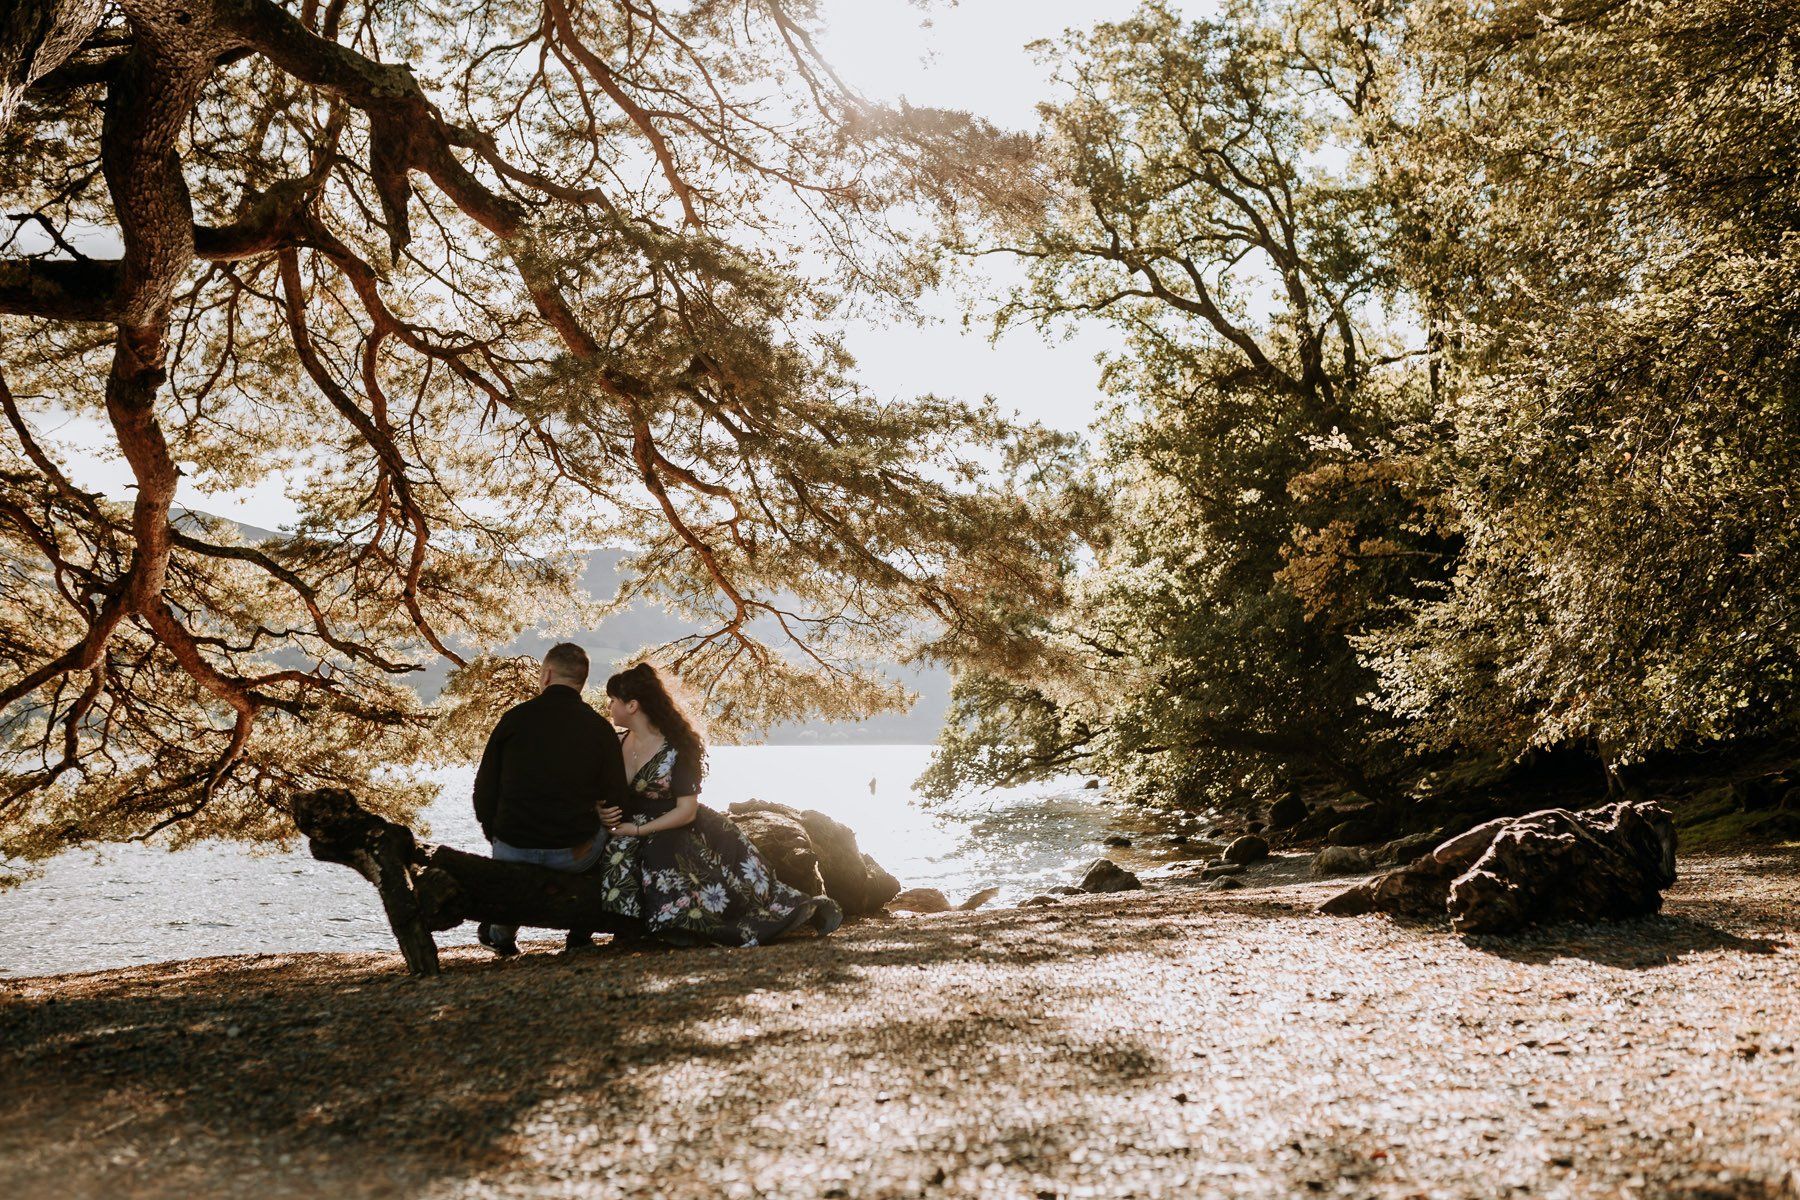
(525, 708)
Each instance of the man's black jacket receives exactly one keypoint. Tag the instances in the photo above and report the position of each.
(550, 765)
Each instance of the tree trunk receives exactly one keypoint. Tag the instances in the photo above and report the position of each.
(425, 888)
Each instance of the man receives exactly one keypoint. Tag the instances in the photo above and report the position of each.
(551, 764)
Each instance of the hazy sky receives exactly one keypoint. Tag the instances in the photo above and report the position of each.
(969, 55)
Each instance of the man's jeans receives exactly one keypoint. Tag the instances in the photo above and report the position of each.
(566, 861)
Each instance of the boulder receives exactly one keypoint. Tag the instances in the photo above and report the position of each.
(856, 881)
(1466, 846)
(1092, 785)
(1105, 875)
(1118, 840)
(978, 899)
(1776, 790)
(1221, 869)
(1039, 902)
(1063, 889)
(1322, 820)
(1357, 831)
(1556, 865)
(1228, 884)
(1287, 811)
(920, 900)
(1339, 860)
(1405, 849)
(787, 849)
(1251, 848)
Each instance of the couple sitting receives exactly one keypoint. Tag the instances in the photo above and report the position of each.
(560, 787)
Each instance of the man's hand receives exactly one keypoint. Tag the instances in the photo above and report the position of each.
(612, 818)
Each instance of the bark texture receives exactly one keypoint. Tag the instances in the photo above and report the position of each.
(36, 36)
(425, 888)
(1604, 864)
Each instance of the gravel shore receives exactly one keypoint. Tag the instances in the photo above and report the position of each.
(1173, 1043)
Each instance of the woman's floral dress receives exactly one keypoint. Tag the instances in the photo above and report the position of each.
(702, 882)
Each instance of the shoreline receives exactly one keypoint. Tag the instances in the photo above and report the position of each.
(1172, 1042)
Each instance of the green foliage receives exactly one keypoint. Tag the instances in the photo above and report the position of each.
(1262, 504)
(1616, 195)
(1461, 406)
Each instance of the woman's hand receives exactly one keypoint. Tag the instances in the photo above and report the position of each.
(611, 817)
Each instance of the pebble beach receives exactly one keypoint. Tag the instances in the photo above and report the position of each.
(1176, 1042)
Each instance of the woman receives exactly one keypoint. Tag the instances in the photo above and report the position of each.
(684, 869)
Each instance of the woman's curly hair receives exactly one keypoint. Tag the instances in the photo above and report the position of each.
(658, 694)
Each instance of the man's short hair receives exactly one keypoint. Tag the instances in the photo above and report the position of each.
(568, 662)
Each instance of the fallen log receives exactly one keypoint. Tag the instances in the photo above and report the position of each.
(426, 888)
(1602, 864)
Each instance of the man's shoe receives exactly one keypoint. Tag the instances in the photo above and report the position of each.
(578, 939)
(505, 948)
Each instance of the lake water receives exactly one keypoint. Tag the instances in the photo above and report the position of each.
(126, 905)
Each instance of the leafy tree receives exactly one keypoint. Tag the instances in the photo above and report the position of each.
(494, 281)
(1613, 191)
(1504, 458)
(1221, 210)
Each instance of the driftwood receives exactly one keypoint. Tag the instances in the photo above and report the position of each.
(426, 888)
(1603, 864)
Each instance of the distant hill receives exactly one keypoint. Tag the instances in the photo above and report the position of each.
(618, 637)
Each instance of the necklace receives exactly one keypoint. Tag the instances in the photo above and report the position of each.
(648, 758)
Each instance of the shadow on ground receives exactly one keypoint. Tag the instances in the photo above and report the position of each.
(1645, 942)
(1167, 1043)
(312, 1063)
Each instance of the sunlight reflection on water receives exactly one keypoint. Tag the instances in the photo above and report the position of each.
(125, 905)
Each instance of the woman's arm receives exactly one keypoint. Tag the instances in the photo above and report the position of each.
(686, 808)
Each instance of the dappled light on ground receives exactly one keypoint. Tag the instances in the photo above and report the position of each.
(1170, 1044)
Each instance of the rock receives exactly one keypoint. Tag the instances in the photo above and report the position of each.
(1221, 869)
(1555, 865)
(784, 845)
(1321, 820)
(1063, 889)
(920, 900)
(1228, 884)
(1416, 890)
(1039, 902)
(1357, 831)
(1178, 839)
(1405, 849)
(1105, 875)
(978, 899)
(1764, 792)
(1255, 826)
(1287, 811)
(1463, 849)
(1092, 785)
(856, 881)
(1250, 848)
(1338, 860)
(1602, 865)
(1118, 839)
